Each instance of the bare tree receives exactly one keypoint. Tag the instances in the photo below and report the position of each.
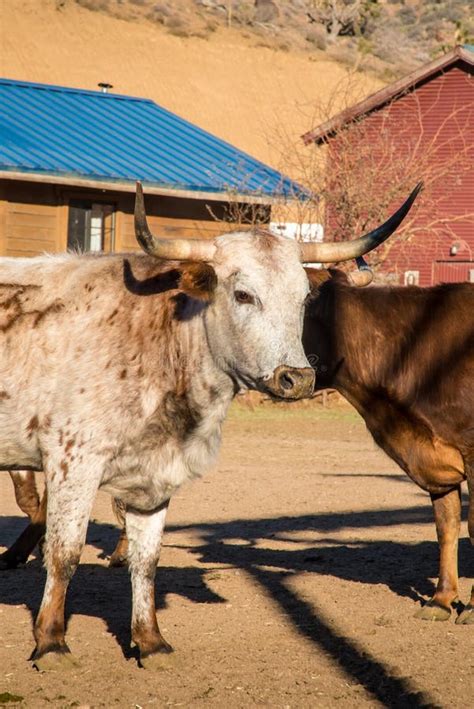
(339, 16)
(367, 166)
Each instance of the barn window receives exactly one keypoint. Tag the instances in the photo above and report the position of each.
(90, 226)
(412, 278)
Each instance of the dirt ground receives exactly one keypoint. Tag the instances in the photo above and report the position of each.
(288, 578)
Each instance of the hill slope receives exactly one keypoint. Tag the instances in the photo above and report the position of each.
(225, 84)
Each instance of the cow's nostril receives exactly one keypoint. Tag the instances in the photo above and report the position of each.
(290, 382)
(287, 382)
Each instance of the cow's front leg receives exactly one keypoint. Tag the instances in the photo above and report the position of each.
(69, 506)
(447, 513)
(145, 531)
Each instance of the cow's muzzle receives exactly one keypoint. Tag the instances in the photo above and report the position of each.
(290, 382)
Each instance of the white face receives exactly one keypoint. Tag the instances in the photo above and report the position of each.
(255, 322)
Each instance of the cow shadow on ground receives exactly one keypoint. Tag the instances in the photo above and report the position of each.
(272, 552)
(94, 585)
(405, 568)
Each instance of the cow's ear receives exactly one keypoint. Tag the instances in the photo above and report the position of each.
(317, 276)
(198, 280)
(337, 275)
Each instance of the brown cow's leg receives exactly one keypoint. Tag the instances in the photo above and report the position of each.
(447, 513)
(119, 557)
(467, 615)
(120, 554)
(144, 534)
(21, 549)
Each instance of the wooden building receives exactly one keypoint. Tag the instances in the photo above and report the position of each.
(69, 160)
(434, 106)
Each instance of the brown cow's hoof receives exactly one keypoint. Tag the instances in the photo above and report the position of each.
(56, 662)
(433, 611)
(467, 616)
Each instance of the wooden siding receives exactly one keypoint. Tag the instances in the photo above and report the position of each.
(31, 220)
(453, 271)
(171, 218)
(34, 217)
(439, 113)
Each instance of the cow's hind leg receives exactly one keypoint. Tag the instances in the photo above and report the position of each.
(144, 532)
(68, 513)
(447, 513)
(34, 533)
(26, 492)
(120, 554)
(467, 615)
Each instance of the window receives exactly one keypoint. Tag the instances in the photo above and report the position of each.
(90, 226)
(411, 278)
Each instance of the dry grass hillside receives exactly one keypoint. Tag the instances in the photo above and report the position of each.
(389, 37)
(225, 83)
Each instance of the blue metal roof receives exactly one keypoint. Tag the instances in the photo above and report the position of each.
(64, 132)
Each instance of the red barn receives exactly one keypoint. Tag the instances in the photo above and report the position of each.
(430, 112)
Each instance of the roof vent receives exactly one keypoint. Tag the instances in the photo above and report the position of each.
(105, 87)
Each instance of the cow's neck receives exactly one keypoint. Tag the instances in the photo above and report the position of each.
(347, 346)
(181, 398)
(191, 375)
(183, 367)
(362, 347)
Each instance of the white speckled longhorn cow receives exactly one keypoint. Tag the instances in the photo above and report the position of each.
(116, 372)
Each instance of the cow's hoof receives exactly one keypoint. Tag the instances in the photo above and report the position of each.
(162, 659)
(433, 611)
(118, 561)
(467, 615)
(56, 662)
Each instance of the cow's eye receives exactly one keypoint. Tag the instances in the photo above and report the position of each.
(243, 297)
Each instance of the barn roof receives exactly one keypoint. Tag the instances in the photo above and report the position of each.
(58, 134)
(460, 54)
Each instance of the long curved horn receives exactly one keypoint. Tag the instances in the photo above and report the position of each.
(363, 276)
(346, 250)
(173, 249)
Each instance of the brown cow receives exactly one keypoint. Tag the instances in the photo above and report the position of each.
(404, 358)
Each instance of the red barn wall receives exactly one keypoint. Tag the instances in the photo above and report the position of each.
(439, 112)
